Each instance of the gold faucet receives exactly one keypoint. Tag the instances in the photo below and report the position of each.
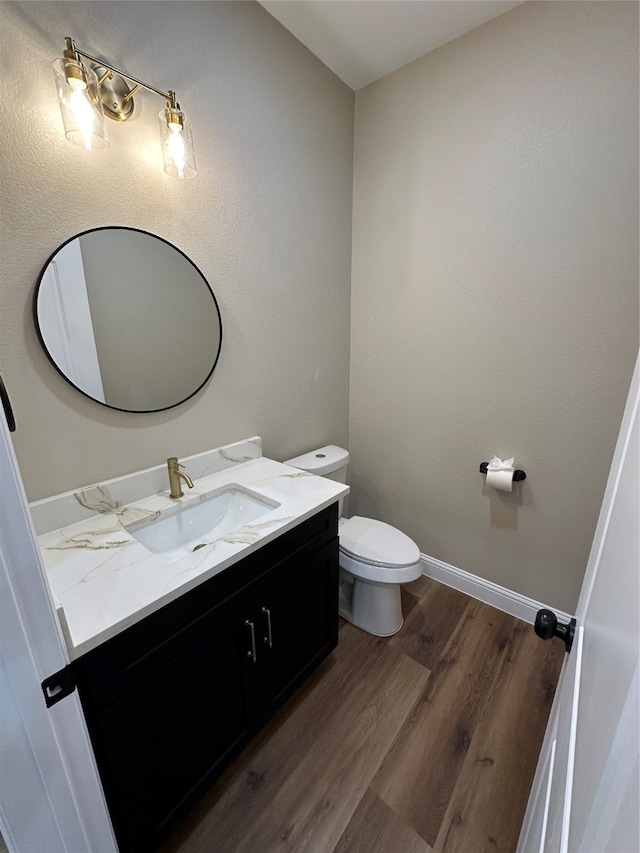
(175, 474)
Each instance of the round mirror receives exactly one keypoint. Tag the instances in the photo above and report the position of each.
(127, 319)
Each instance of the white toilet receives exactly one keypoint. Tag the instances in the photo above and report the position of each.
(375, 558)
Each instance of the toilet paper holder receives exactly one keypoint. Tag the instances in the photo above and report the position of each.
(518, 475)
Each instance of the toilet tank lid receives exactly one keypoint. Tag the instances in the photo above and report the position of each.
(321, 461)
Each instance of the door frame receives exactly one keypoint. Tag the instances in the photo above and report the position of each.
(51, 798)
(548, 821)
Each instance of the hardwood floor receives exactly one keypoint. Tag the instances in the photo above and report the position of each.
(425, 742)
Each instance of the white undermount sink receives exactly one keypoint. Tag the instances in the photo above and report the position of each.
(190, 526)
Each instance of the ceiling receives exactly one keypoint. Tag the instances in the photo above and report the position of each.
(362, 40)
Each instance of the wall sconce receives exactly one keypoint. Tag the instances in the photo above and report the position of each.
(86, 93)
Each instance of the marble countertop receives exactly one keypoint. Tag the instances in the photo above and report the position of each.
(103, 580)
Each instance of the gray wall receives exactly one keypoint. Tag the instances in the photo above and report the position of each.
(267, 220)
(495, 289)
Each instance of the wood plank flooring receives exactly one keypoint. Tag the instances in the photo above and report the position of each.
(425, 742)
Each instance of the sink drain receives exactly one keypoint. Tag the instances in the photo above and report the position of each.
(201, 545)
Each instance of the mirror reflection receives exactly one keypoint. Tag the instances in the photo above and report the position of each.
(128, 319)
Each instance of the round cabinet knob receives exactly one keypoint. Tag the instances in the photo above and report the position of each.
(547, 627)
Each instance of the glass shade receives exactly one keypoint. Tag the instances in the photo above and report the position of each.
(177, 143)
(80, 104)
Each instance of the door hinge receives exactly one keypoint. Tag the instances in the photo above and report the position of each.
(58, 685)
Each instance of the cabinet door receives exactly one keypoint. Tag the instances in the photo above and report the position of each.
(298, 619)
(161, 744)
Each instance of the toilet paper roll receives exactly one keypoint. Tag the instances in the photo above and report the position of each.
(500, 480)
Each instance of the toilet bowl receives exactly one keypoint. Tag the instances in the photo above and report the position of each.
(375, 558)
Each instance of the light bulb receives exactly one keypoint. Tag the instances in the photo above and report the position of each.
(176, 148)
(84, 116)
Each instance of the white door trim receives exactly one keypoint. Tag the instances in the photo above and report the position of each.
(51, 799)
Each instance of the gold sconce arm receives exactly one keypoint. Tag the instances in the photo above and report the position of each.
(139, 84)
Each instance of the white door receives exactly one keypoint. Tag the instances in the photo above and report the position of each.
(51, 800)
(64, 317)
(585, 794)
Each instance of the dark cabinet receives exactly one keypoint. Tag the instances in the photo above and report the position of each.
(172, 700)
(165, 738)
(296, 625)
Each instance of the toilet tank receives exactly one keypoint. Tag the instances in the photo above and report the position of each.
(330, 461)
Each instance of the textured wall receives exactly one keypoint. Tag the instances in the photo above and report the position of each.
(495, 288)
(267, 220)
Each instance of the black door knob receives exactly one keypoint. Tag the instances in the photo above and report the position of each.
(547, 626)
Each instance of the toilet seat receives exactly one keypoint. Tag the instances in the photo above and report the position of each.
(375, 551)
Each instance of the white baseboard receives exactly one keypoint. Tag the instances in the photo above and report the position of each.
(489, 593)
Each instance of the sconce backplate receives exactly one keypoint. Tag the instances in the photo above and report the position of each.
(114, 91)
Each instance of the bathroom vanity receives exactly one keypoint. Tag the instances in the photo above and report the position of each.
(176, 679)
